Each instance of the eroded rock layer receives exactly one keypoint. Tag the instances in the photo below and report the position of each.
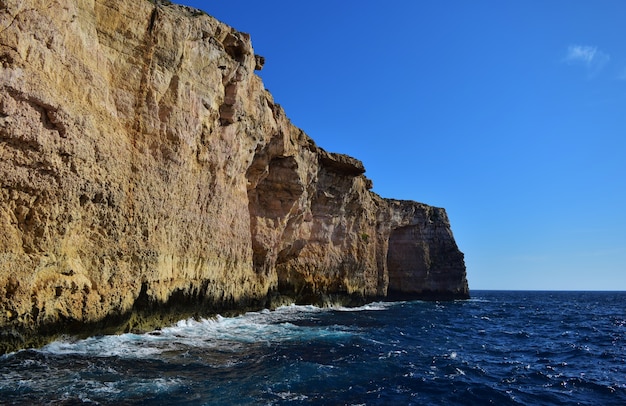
(147, 175)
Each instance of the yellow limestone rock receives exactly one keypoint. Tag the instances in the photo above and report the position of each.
(146, 174)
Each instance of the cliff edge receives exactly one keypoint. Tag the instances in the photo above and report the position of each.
(147, 175)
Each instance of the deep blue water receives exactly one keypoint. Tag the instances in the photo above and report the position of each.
(503, 348)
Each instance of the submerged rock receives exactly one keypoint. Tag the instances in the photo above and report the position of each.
(147, 175)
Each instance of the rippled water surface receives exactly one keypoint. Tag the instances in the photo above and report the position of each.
(504, 348)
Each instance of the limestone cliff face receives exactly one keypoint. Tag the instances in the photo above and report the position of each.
(146, 174)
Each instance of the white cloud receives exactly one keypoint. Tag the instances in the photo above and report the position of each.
(589, 56)
(581, 53)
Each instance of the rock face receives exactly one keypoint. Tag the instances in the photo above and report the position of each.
(147, 175)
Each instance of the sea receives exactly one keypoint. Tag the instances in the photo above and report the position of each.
(500, 347)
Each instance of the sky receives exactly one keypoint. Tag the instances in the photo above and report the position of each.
(509, 114)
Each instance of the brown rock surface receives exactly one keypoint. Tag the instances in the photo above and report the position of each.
(147, 175)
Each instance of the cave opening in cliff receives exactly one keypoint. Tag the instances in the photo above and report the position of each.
(407, 259)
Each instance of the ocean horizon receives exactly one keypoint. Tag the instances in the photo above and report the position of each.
(506, 347)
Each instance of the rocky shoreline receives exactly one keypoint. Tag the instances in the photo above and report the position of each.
(147, 175)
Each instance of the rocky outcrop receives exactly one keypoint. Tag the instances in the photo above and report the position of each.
(147, 175)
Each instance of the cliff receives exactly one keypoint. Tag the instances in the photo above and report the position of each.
(147, 175)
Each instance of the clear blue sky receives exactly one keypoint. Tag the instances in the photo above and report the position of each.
(510, 114)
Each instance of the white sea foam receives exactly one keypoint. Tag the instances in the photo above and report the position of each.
(375, 306)
(227, 333)
(476, 300)
(124, 345)
(289, 396)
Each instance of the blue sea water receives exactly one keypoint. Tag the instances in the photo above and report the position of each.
(502, 348)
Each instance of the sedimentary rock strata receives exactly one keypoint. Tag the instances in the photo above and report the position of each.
(146, 175)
